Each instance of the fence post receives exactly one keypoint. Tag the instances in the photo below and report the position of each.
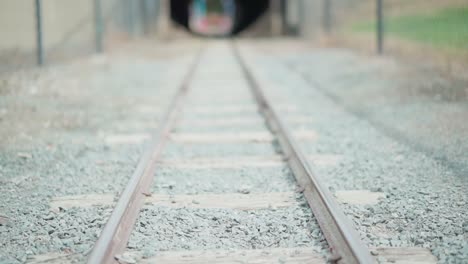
(301, 22)
(276, 22)
(327, 16)
(130, 19)
(98, 25)
(154, 15)
(164, 17)
(380, 27)
(145, 12)
(39, 44)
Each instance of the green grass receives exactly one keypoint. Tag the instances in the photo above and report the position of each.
(446, 28)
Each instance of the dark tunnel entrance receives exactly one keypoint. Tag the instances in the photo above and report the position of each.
(246, 13)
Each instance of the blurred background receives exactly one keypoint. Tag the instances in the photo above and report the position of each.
(412, 29)
(36, 31)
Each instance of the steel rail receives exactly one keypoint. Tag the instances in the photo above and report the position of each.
(116, 232)
(341, 235)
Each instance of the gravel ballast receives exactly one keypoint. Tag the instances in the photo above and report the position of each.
(185, 151)
(425, 201)
(55, 122)
(233, 180)
(163, 229)
(191, 228)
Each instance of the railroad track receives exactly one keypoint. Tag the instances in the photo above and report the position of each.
(221, 93)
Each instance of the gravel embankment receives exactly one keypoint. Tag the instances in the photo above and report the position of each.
(56, 123)
(410, 102)
(425, 202)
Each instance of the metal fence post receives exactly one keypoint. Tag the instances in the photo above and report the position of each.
(380, 27)
(153, 15)
(300, 13)
(156, 13)
(145, 11)
(98, 25)
(327, 16)
(128, 9)
(285, 27)
(39, 44)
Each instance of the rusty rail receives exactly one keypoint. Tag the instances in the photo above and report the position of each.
(115, 235)
(338, 230)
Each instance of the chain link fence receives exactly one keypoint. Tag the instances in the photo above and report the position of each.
(41, 31)
(428, 30)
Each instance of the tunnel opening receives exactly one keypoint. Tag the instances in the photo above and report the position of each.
(247, 12)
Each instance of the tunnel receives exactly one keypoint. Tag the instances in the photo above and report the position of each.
(246, 13)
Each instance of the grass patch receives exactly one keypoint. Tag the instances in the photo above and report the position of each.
(446, 28)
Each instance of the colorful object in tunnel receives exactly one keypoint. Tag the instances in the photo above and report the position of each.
(212, 17)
